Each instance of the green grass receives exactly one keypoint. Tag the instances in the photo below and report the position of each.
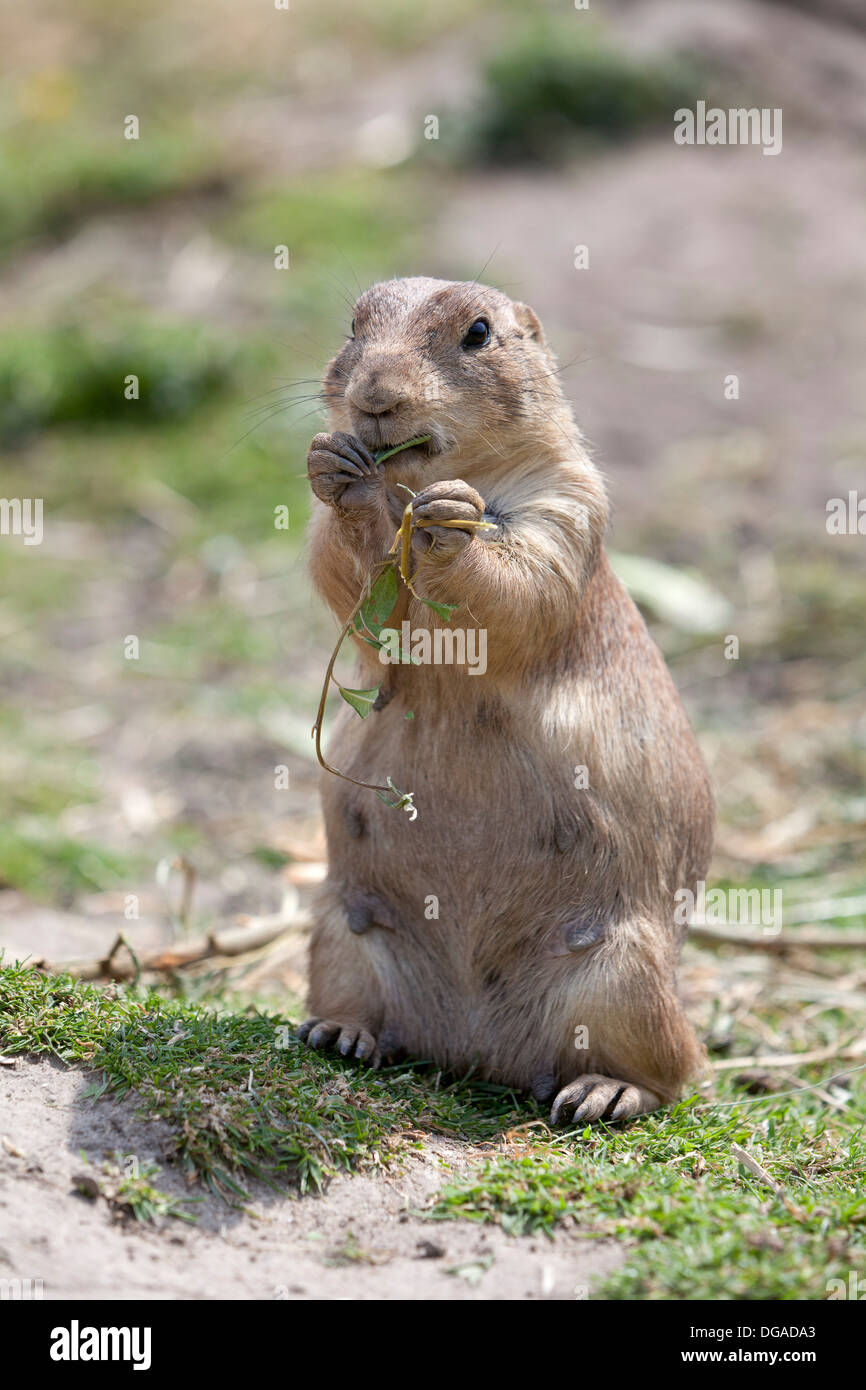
(131, 1194)
(559, 85)
(40, 778)
(698, 1226)
(71, 374)
(51, 867)
(246, 1100)
(215, 441)
(345, 220)
(54, 176)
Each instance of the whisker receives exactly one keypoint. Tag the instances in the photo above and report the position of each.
(281, 410)
(342, 253)
(491, 445)
(347, 300)
(486, 263)
(285, 404)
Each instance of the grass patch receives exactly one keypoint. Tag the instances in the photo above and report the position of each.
(34, 585)
(247, 1102)
(232, 641)
(40, 778)
(84, 171)
(71, 374)
(50, 867)
(700, 1227)
(245, 1099)
(131, 1193)
(234, 467)
(363, 226)
(557, 85)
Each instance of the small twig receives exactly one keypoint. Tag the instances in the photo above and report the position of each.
(855, 1047)
(163, 877)
(107, 962)
(227, 941)
(320, 713)
(754, 1167)
(781, 941)
(781, 1095)
(834, 1102)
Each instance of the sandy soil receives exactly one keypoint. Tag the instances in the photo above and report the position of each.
(365, 1239)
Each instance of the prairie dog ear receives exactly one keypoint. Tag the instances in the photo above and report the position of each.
(530, 323)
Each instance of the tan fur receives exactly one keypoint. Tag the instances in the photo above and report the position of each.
(513, 851)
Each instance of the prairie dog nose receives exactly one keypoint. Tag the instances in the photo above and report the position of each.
(375, 393)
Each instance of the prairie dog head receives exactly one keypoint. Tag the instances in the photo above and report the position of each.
(456, 360)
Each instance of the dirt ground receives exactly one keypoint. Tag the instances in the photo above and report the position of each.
(365, 1240)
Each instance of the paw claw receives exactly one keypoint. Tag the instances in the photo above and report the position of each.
(594, 1097)
(323, 1034)
(367, 1049)
(629, 1103)
(347, 1039)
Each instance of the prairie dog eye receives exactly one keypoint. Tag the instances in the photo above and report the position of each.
(477, 335)
(352, 329)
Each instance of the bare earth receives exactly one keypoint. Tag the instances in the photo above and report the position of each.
(364, 1240)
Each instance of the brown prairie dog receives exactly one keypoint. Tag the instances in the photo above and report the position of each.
(523, 923)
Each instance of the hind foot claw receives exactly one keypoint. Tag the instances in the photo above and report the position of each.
(594, 1097)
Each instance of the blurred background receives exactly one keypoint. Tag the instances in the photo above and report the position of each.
(308, 128)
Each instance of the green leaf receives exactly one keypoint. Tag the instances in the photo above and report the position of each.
(379, 606)
(403, 800)
(360, 700)
(443, 609)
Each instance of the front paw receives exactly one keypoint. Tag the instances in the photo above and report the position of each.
(343, 472)
(447, 515)
(349, 1039)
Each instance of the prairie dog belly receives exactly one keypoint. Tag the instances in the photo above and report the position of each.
(461, 932)
(474, 770)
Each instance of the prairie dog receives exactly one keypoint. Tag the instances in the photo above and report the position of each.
(523, 923)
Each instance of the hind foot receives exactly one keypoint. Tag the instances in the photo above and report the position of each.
(593, 1097)
(349, 1039)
